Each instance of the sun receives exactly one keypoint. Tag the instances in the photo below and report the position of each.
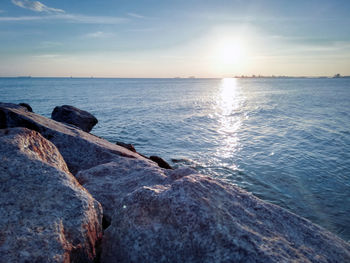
(230, 54)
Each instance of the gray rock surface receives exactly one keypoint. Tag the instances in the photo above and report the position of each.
(72, 115)
(79, 149)
(46, 215)
(198, 219)
(109, 183)
(162, 215)
(156, 215)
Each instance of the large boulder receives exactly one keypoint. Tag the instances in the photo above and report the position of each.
(198, 219)
(79, 149)
(46, 216)
(159, 215)
(109, 183)
(72, 115)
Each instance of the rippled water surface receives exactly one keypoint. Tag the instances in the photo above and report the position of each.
(285, 140)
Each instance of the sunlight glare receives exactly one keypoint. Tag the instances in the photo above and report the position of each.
(228, 96)
(229, 105)
(231, 53)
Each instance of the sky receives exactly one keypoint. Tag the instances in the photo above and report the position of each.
(174, 38)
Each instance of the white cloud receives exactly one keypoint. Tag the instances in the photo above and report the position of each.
(135, 15)
(91, 19)
(47, 56)
(20, 18)
(36, 6)
(98, 34)
(71, 18)
(50, 44)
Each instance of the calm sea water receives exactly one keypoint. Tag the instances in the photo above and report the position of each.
(285, 140)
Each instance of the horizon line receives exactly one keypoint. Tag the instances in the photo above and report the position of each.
(178, 77)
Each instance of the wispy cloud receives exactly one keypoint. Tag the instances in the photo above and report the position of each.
(36, 6)
(2, 11)
(135, 15)
(47, 56)
(148, 29)
(59, 14)
(91, 19)
(20, 18)
(98, 34)
(50, 44)
(71, 18)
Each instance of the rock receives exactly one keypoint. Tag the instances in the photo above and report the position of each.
(46, 216)
(9, 105)
(160, 162)
(109, 183)
(79, 149)
(199, 219)
(27, 106)
(180, 172)
(72, 115)
(127, 146)
(151, 214)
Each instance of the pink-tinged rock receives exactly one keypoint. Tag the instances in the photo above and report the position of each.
(199, 219)
(109, 183)
(72, 115)
(79, 149)
(45, 214)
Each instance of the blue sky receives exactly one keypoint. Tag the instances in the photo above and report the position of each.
(174, 38)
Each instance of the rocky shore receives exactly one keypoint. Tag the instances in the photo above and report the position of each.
(69, 196)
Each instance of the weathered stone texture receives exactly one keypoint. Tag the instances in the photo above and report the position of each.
(199, 219)
(46, 215)
(79, 149)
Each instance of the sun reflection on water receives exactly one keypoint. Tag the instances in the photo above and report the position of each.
(228, 96)
(229, 112)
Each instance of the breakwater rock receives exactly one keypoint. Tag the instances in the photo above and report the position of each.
(80, 150)
(72, 115)
(199, 219)
(46, 216)
(151, 214)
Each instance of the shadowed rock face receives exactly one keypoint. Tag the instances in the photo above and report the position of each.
(199, 219)
(46, 216)
(72, 115)
(79, 149)
(27, 106)
(160, 162)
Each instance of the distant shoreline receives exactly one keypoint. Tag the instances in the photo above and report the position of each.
(182, 78)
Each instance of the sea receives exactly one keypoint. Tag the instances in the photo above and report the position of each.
(286, 140)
